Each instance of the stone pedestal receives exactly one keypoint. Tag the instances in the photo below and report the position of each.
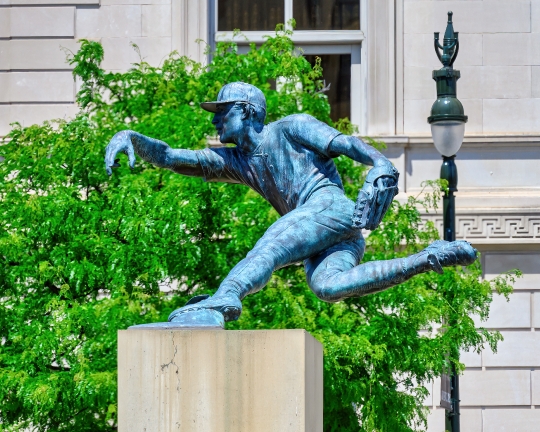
(218, 380)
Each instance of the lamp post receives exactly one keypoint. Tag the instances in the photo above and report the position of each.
(447, 122)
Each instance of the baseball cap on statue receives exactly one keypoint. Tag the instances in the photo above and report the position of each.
(237, 92)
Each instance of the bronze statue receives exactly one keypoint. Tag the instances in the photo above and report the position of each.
(289, 163)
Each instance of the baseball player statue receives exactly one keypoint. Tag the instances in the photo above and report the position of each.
(290, 163)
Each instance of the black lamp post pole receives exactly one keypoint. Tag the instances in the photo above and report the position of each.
(449, 173)
(447, 113)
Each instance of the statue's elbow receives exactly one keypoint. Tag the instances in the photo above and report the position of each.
(124, 134)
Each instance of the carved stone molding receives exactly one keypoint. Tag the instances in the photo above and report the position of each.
(493, 228)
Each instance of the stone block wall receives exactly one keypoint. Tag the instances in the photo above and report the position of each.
(118, 26)
(499, 60)
(36, 83)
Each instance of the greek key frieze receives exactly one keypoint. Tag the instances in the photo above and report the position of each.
(489, 227)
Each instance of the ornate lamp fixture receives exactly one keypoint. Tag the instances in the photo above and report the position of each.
(447, 117)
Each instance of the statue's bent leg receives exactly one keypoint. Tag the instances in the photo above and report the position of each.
(335, 274)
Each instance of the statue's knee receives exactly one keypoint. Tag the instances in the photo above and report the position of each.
(327, 296)
(322, 295)
(322, 291)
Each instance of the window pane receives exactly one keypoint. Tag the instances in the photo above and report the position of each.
(327, 14)
(337, 74)
(250, 15)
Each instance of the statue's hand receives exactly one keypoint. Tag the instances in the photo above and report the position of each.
(375, 197)
(120, 143)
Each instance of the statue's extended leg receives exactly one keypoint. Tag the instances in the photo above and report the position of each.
(335, 274)
(324, 223)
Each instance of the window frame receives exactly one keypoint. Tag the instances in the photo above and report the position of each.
(314, 42)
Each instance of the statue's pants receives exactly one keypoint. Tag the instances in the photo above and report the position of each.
(320, 233)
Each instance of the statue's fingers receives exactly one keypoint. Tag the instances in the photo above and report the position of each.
(389, 182)
(109, 167)
(395, 191)
(387, 203)
(109, 156)
(384, 204)
(109, 162)
(392, 192)
(378, 213)
(131, 156)
(381, 196)
(110, 153)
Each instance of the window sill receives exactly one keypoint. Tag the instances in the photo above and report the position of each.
(303, 37)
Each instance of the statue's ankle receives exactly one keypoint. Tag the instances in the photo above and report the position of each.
(229, 292)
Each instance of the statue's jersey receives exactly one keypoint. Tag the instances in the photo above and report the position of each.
(291, 163)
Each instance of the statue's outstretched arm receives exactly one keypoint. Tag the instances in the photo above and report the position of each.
(381, 185)
(151, 150)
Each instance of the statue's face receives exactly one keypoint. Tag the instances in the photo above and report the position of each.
(229, 123)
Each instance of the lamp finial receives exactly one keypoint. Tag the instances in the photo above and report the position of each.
(450, 46)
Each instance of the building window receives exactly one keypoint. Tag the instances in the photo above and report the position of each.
(329, 29)
(337, 76)
(327, 14)
(249, 15)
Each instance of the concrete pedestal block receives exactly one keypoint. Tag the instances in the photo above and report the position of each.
(218, 380)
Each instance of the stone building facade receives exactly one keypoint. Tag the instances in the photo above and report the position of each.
(388, 55)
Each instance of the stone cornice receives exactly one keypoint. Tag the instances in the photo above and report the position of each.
(405, 140)
(469, 140)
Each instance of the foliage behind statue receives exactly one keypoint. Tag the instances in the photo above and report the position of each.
(83, 255)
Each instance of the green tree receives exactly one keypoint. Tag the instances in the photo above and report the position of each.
(83, 255)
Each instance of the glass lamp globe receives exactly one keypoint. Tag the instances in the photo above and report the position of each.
(448, 136)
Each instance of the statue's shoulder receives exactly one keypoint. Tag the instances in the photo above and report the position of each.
(294, 123)
(297, 118)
